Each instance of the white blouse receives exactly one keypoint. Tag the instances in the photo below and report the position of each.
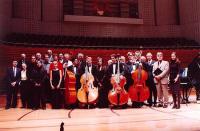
(23, 75)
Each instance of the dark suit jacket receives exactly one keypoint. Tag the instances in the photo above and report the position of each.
(81, 71)
(10, 76)
(110, 69)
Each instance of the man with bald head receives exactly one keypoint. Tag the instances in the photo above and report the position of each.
(22, 60)
(161, 72)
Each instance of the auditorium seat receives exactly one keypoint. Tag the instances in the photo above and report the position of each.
(101, 42)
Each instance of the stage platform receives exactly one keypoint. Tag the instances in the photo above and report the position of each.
(144, 119)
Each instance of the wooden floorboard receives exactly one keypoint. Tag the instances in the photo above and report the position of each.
(144, 119)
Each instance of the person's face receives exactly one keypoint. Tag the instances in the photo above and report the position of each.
(49, 52)
(137, 56)
(159, 56)
(38, 56)
(143, 59)
(100, 62)
(89, 60)
(80, 57)
(75, 62)
(66, 56)
(46, 58)
(24, 66)
(122, 60)
(149, 57)
(55, 58)
(173, 56)
(14, 63)
(33, 59)
(60, 56)
(113, 59)
(23, 56)
(130, 57)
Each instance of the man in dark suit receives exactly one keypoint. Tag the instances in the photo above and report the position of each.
(13, 78)
(150, 81)
(113, 68)
(91, 69)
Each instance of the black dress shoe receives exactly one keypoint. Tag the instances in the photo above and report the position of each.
(178, 107)
(165, 106)
(160, 105)
(7, 107)
(154, 105)
(150, 105)
(174, 106)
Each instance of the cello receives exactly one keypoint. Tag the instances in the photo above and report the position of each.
(70, 88)
(117, 95)
(87, 94)
(139, 92)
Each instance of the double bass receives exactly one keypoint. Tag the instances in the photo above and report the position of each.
(139, 92)
(70, 87)
(87, 94)
(118, 95)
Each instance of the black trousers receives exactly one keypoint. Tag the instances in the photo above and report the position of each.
(103, 97)
(11, 98)
(39, 100)
(197, 88)
(47, 89)
(26, 94)
(153, 92)
(56, 98)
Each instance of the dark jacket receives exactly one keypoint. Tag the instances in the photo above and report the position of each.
(10, 76)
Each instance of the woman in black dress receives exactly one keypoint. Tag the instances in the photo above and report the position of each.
(55, 82)
(174, 80)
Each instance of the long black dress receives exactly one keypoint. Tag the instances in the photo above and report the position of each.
(56, 94)
(174, 71)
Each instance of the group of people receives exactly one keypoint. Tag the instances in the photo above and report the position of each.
(41, 81)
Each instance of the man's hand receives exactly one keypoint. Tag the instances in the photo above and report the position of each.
(52, 87)
(13, 84)
(157, 78)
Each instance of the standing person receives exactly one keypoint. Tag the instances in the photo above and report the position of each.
(174, 69)
(60, 65)
(38, 77)
(67, 64)
(13, 78)
(150, 81)
(47, 86)
(103, 91)
(80, 71)
(25, 87)
(39, 57)
(131, 62)
(194, 71)
(139, 60)
(22, 60)
(61, 58)
(161, 73)
(33, 64)
(50, 54)
(55, 82)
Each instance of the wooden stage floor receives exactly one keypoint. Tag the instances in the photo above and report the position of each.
(144, 119)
